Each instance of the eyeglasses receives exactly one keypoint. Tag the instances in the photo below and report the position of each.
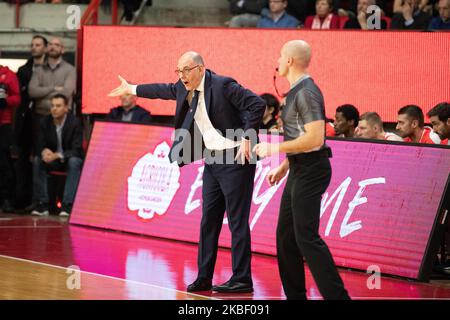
(185, 71)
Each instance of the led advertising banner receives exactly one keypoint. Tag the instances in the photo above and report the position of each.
(380, 209)
(375, 71)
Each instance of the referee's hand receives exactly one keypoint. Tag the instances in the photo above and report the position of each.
(275, 175)
(265, 149)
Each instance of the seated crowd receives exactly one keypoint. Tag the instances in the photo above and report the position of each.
(335, 14)
(320, 14)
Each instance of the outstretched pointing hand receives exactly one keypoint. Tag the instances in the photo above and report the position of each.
(124, 88)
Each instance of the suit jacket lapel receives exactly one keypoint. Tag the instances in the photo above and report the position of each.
(208, 92)
(180, 114)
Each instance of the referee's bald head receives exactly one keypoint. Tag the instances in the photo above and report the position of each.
(300, 51)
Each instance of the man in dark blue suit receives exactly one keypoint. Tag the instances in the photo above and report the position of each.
(227, 116)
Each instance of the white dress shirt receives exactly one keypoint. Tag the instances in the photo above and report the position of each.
(213, 139)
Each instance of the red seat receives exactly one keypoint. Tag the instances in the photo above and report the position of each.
(388, 21)
(342, 21)
(56, 181)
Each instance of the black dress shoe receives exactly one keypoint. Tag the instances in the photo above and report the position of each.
(200, 284)
(234, 287)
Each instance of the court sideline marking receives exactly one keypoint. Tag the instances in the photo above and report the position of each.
(109, 277)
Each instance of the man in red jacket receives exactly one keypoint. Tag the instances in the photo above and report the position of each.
(9, 101)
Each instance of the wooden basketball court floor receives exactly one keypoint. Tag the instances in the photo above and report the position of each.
(47, 258)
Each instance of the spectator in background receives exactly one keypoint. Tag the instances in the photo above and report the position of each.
(360, 22)
(441, 22)
(129, 111)
(269, 120)
(9, 101)
(440, 120)
(350, 8)
(24, 123)
(410, 126)
(324, 18)
(55, 76)
(424, 5)
(246, 13)
(59, 148)
(347, 119)
(276, 16)
(301, 9)
(370, 126)
(411, 17)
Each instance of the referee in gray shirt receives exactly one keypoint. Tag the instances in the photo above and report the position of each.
(309, 176)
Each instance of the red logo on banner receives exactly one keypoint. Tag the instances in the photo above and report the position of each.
(153, 183)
